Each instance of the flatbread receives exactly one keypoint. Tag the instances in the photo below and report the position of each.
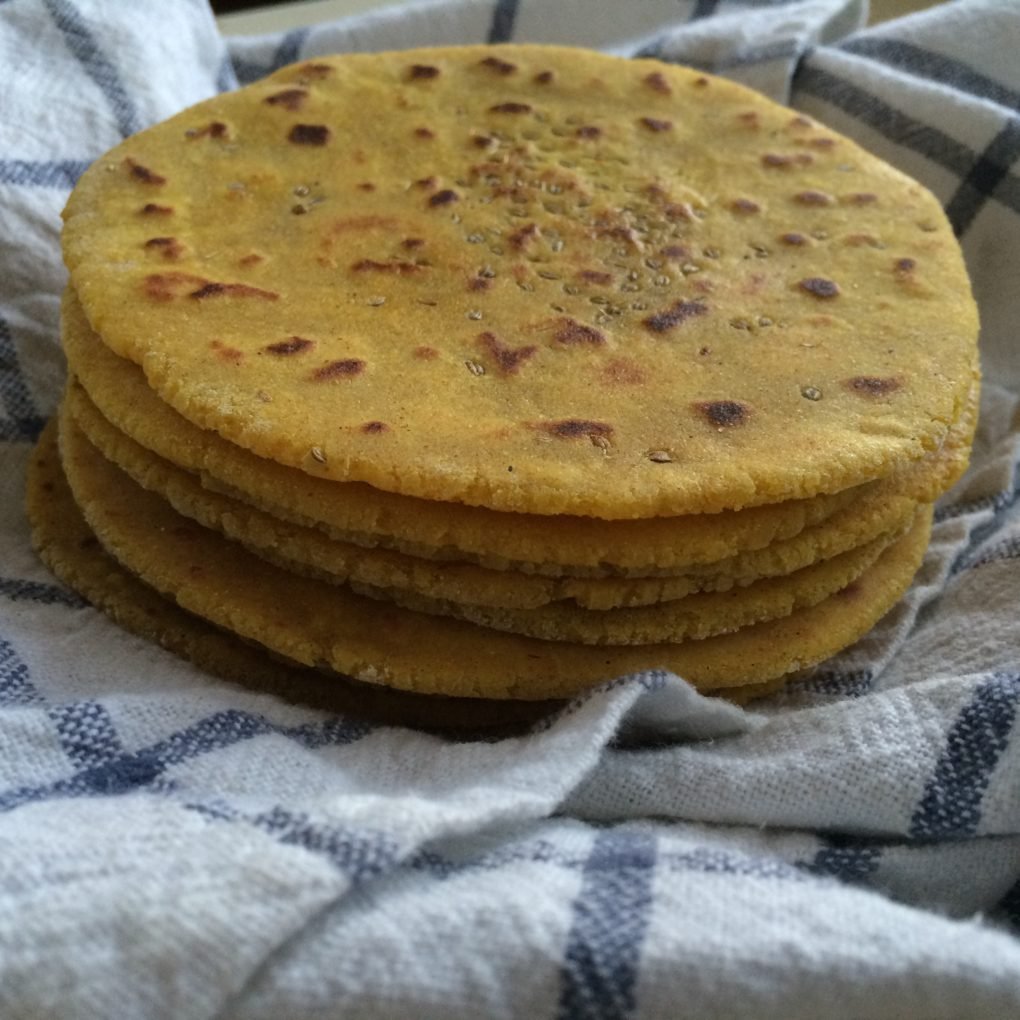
(518, 602)
(698, 616)
(69, 548)
(723, 549)
(530, 279)
(318, 624)
(451, 589)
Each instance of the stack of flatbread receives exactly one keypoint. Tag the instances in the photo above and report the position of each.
(497, 372)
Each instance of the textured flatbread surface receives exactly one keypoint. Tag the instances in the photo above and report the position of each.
(317, 624)
(873, 522)
(502, 600)
(696, 617)
(530, 279)
(69, 548)
(759, 541)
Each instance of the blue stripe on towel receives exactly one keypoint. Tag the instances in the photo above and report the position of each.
(15, 680)
(289, 49)
(131, 771)
(86, 733)
(361, 855)
(504, 14)
(703, 9)
(21, 420)
(96, 64)
(16, 589)
(990, 172)
(936, 67)
(14, 392)
(951, 803)
(928, 141)
(849, 860)
(1009, 907)
(62, 174)
(610, 921)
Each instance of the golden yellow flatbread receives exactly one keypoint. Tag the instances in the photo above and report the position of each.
(722, 549)
(468, 592)
(530, 279)
(318, 624)
(69, 548)
(475, 374)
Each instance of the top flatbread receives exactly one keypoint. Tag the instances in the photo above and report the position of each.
(531, 279)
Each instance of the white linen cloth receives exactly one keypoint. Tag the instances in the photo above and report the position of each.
(172, 846)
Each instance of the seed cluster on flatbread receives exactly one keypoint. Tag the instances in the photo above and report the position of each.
(497, 372)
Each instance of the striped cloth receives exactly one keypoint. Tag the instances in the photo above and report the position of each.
(172, 846)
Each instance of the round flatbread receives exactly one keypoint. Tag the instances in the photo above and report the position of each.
(68, 547)
(819, 561)
(473, 593)
(698, 616)
(733, 547)
(322, 625)
(531, 279)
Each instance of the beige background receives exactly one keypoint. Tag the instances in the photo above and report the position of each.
(308, 12)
